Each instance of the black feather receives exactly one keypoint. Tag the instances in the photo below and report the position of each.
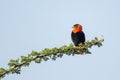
(78, 38)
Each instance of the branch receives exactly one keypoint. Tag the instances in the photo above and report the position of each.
(46, 54)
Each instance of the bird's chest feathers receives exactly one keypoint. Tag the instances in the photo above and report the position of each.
(75, 31)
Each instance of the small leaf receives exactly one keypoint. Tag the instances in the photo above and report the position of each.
(96, 38)
(2, 70)
(34, 53)
(54, 57)
(54, 50)
(45, 58)
(100, 44)
(16, 70)
(13, 63)
(37, 60)
(25, 59)
(60, 55)
(71, 45)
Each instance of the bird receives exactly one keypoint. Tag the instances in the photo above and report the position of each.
(77, 35)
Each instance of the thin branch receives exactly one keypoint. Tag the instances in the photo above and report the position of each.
(46, 54)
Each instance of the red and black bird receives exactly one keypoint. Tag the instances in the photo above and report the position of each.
(77, 34)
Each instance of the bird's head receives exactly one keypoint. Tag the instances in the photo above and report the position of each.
(77, 28)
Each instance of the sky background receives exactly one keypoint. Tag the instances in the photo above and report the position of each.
(27, 25)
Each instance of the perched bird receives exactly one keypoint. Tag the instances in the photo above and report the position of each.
(77, 35)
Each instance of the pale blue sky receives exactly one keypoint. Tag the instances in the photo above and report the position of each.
(27, 25)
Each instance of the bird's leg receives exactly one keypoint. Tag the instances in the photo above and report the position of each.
(81, 52)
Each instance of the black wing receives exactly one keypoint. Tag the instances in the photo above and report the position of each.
(78, 37)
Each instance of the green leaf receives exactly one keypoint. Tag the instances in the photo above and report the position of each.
(25, 59)
(34, 53)
(13, 63)
(46, 51)
(60, 55)
(54, 57)
(54, 50)
(37, 60)
(100, 44)
(2, 70)
(45, 58)
(16, 70)
(71, 45)
(96, 38)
